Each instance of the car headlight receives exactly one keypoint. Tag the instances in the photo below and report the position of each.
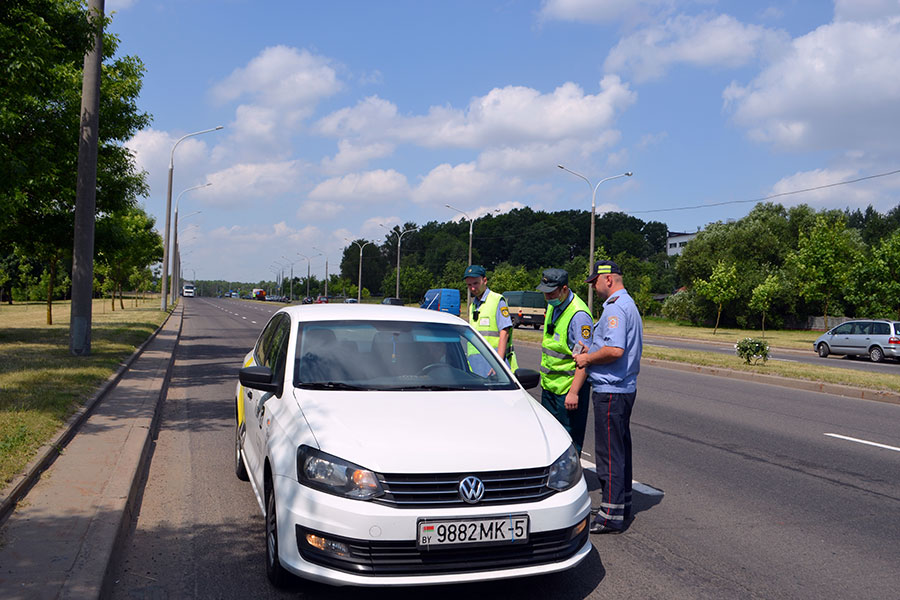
(333, 475)
(565, 471)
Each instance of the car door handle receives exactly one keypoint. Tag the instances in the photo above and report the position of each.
(249, 395)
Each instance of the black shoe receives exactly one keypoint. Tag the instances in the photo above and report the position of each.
(595, 510)
(598, 527)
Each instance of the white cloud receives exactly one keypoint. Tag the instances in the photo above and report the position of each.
(363, 187)
(245, 183)
(830, 197)
(446, 183)
(704, 41)
(352, 155)
(603, 11)
(865, 10)
(315, 210)
(506, 116)
(838, 87)
(152, 149)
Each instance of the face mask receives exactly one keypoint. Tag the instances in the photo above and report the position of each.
(555, 303)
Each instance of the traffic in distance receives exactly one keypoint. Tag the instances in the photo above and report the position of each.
(343, 417)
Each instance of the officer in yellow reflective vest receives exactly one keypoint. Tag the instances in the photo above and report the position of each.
(489, 314)
(567, 322)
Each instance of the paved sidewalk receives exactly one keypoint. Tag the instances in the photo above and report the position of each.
(61, 538)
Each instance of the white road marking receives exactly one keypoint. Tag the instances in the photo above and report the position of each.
(858, 441)
(254, 322)
(635, 485)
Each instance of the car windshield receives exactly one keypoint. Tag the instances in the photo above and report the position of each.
(395, 355)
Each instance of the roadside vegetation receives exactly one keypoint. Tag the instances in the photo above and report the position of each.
(42, 384)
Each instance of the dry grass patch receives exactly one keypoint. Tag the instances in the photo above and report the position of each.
(42, 384)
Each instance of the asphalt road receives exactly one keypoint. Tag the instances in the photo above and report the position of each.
(746, 497)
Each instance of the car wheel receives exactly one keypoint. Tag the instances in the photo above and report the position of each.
(274, 571)
(823, 350)
(536, 325)
(876, 354)
(240, 469)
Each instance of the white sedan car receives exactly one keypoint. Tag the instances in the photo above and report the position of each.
(379, 458)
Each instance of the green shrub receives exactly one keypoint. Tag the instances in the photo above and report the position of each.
(752, 350)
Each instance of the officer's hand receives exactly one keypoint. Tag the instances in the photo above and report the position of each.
(571, 400)
(581, 358)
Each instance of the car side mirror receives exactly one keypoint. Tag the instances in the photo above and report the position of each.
(529, 378)
(258, 378)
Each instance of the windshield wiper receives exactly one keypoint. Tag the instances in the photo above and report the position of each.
(328, 385)
(429, 388)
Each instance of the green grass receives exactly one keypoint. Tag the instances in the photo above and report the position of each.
(42, 384)
(780, 338)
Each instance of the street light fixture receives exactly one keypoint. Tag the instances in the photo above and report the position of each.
(471, 223)
(308, 275)
(590, 301)
(175, 238)
(359, 282)
(165, 269)
(176, 262)
(399, 239)
(322, 252)
(292, 275)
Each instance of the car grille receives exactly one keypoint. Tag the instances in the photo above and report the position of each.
(442, 490)
(404, 558)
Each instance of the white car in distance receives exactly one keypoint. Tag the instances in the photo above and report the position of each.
(391, 446)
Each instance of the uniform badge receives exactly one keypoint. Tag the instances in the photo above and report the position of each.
(504, 311)
(585, 331)
(613, 322)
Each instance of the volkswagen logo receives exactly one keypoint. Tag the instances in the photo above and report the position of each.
(471, 490)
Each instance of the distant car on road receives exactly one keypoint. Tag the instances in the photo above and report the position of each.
(873, 338)
(380, 457)
(307, 300)
(322, 300)
(393, 301)
(351, 301)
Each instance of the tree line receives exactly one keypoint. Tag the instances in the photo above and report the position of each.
(42, 48)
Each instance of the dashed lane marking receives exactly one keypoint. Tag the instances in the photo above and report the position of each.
(866, 442)
(635, 485)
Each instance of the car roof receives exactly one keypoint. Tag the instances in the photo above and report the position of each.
(367, 312)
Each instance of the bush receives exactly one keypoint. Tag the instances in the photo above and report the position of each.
(752, 350)
(683, 306)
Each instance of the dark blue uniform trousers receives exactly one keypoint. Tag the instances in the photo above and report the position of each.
(612, 436)
(574, 421)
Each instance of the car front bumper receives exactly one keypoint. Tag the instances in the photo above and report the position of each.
(378, 543)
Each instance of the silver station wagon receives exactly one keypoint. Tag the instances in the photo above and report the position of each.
(873, 338)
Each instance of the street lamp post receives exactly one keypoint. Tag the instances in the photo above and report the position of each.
(165, 269)
(175, 233)
(176, 262)
(308, 274)
(359, 281)
(400, 239)
(322, 252)
(291, 262)
(471, 223)
(590, 301)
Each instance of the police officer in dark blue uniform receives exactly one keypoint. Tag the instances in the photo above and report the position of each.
(613, 361)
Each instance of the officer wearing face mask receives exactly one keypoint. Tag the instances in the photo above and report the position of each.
(566, 323)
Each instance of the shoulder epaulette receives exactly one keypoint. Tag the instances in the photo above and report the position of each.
(612, 300)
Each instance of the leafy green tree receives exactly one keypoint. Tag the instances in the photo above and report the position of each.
(126, 243)
(42, 47)
(875, 289)
(763, 295)
(507, 277)
(823, 261)
(720, 288)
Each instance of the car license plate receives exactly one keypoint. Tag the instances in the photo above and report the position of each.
(511, 529)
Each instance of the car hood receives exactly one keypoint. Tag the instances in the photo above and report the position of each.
(420, 432)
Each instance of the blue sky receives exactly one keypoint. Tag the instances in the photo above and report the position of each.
(343, 116)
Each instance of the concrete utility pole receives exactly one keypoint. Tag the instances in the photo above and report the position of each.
(86, 195)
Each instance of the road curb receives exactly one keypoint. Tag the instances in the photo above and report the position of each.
(50, 451)
(845, 391)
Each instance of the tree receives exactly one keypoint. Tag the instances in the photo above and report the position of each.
(823, 260)
(721, 287)
(763, 295)
(42, 47)
(876, 280)
(127, 243)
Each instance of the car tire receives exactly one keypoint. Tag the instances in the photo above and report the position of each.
(536, 325)
(876, 354)
(274, 571)
(240, 469)
(823, 350)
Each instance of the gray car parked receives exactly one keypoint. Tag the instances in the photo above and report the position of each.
(873, 338)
